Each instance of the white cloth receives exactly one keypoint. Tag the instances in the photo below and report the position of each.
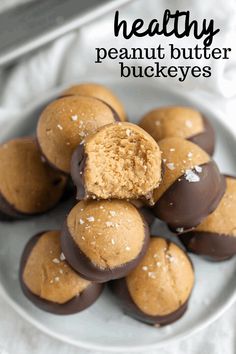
(71, 59)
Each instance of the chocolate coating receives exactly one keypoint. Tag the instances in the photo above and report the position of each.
(214, 238)
(76, 304)
(8, 212)
(206, 139)
(119, 287)
(148, 215)
(213, 246)
(83, 265)
(78, 162)
(184, 205)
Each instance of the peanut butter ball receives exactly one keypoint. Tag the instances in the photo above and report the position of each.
(182, 122)
(191, 187)
(120, 161)
(104, 240)
(49, 282)
(101, 92)
(27, 184)
(65, 123)
(157, 291)
(215, 237)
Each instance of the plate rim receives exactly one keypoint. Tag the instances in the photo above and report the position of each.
(122, 348)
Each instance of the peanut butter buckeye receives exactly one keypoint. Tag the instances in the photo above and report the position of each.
(157, 291)
(182, 122)
(215, 237)
(64, 124)
(104, 240)
(120, 161)
(98, 91)
(192, 185)
(49, 282)
(27, 184)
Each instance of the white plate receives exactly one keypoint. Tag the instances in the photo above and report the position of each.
(103, 326)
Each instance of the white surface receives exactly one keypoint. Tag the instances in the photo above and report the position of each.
(71, 59)
(102, 327)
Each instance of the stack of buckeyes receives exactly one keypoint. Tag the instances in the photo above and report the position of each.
(124, 175)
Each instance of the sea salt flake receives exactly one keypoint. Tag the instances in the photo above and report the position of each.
(59, 127)
(171, 166)
(113, 241)
(90, 219)
(56, 260)
(152, 275)
(188, 123)
(128, 132)
(158, 264)
(190, 176)
(62, 257)
(81, 221)
(172, 149)
(56, 279)
(169, 257)
(112, 212)
(109, 224)
(180, 229)
(145, 268)
(190, 154)
(198, 169)
(127, 248)
(61, 271)
(74, 117)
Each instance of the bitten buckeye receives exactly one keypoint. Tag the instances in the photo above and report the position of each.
(192, 185)
(182, 122)
(120, 161)
(104, 240)
(49, 282)
(157, 291)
